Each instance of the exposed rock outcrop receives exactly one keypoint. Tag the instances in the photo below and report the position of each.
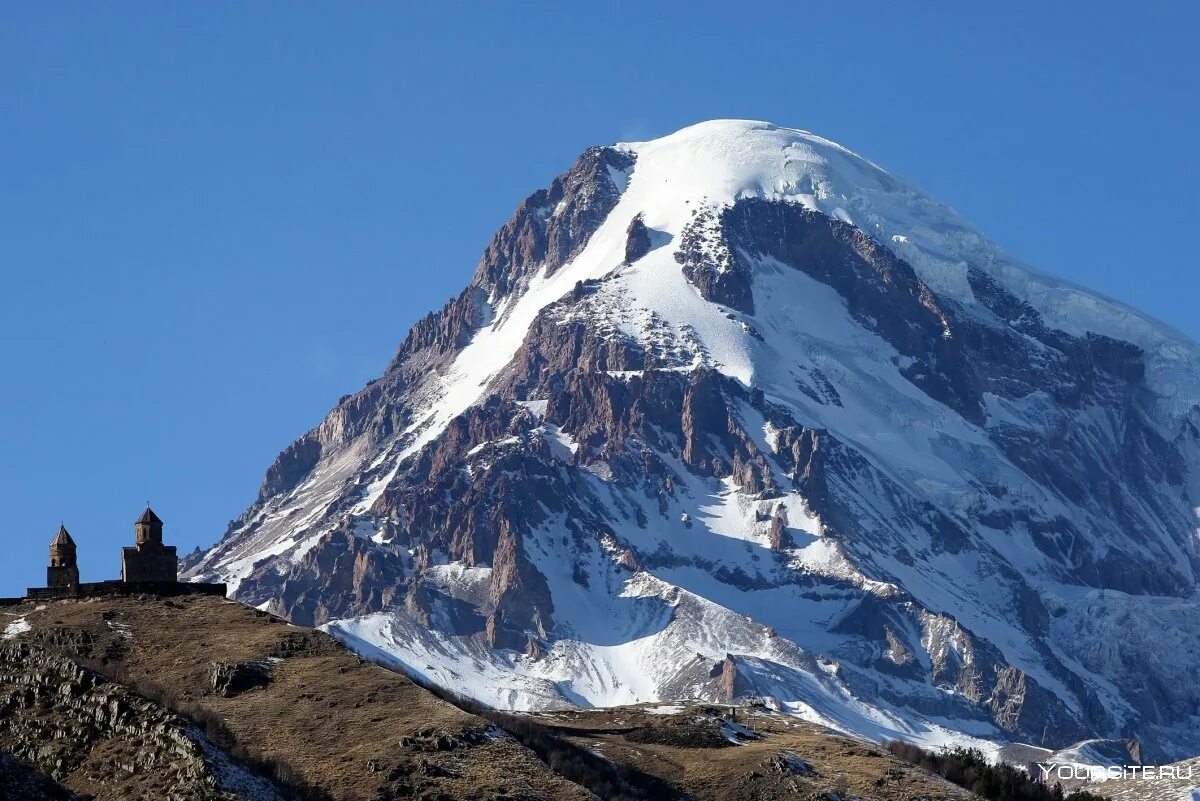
(637, 240)
(98, 738)
(234, 678)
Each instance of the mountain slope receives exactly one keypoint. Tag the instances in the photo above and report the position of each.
(293, 699)
(738, 414)
(301, 707)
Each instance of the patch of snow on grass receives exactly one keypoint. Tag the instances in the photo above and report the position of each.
(16, 628)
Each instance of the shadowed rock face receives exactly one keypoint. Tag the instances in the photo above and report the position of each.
(23, 783)
(637, 243)
(99, 738)
(616, 483)
(712, 267)
(233, 678)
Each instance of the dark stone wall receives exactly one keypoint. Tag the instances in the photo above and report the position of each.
(101, 588)
(149, 561)
(62, 576)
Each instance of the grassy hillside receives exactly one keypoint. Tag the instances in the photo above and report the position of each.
(292, 704)
(299, 702)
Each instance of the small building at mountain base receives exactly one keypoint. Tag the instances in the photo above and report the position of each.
(147, 567)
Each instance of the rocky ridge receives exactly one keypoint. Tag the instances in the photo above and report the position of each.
(98, 738)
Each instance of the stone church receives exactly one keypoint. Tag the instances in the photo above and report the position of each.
(148, 566)
(149, 559)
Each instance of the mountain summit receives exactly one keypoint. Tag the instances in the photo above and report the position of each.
(736, 414)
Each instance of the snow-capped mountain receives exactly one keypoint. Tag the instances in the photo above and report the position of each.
(736, 413)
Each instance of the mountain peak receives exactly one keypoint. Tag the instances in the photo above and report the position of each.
(736, 413)
(719, 162)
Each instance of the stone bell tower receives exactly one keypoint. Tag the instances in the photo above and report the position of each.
(148, 528)
(63, 572)
(149, 560)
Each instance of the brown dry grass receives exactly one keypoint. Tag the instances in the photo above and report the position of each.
(750, 770)
(336, 720)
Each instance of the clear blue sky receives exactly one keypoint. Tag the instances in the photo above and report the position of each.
(215, 219)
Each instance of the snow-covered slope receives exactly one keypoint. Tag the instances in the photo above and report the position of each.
(736, 413)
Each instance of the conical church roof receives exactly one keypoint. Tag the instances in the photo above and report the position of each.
(148, 516)
(63, 537)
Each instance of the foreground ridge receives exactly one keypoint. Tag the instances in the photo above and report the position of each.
(106, 698)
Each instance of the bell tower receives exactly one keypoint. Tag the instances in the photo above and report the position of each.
(149, 561)
(63, 571)
(148, 528)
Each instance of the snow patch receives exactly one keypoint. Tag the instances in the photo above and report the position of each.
(16, 628)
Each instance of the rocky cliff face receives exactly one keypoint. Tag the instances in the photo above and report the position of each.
(101, 740)
(736, 413)
(289, 704)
